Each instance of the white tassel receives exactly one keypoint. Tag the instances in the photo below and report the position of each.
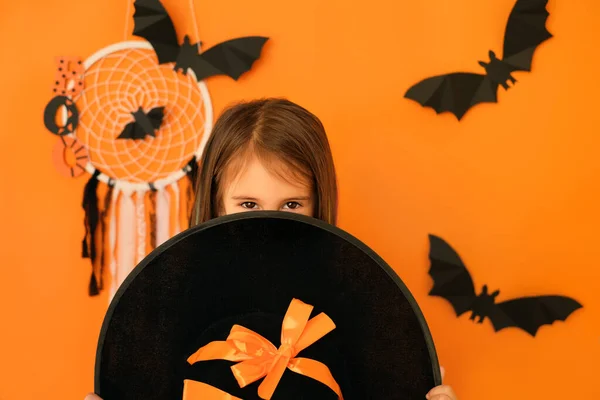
(112, 241)
(176, 201)
(141, 228)
(162, 216)
(126, 238)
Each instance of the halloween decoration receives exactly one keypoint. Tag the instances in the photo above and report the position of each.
(453, 282)
(143, 124)
(66, 106)
(250, 350)
(458, 92)
(68, 76)
(139, 128)
(232, 58)
(264, 305)
(69, 156)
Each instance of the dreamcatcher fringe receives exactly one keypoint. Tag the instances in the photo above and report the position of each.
(122, 227)
(90, 206)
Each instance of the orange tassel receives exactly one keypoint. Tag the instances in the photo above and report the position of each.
(150, 206)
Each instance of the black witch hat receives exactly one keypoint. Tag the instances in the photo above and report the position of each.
(261, 305)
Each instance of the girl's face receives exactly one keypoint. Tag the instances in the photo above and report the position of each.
(258, 188)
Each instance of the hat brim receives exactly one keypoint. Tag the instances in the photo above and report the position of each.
(257, 262)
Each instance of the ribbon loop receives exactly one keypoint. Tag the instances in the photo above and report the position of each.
(295, 321)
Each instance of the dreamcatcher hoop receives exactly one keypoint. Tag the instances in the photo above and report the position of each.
(128, 213)
(126, 219)
(125, 185)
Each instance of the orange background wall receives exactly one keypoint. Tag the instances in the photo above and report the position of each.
(513, 187)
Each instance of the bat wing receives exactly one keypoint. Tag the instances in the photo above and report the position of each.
(525, 31)
(232, 58)
(131, 131)
(155, 116)
(456, 92)
(153, 23)
(451, 279)
(134, 131)
(531, 313)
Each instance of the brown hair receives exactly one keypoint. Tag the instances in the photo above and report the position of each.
(268, 128)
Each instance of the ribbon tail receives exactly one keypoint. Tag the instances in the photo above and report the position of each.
(269, 384)
(251, 370)
(217, 351)
(193, 390)
(317, 371)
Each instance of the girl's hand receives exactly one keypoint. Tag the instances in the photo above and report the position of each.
(442, 392)
(92, 396)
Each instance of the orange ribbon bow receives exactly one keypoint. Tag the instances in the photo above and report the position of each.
(259, 358)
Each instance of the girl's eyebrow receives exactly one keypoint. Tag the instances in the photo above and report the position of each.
(244, 198)
(298, 198)
(249, 198)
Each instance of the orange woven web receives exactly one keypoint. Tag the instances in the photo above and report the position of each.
(117, 85)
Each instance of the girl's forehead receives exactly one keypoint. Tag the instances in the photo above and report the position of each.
(269, 176)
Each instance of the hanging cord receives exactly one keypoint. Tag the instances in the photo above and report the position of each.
(128, 16)
(193, 164)
(195, 23)
(192, 167)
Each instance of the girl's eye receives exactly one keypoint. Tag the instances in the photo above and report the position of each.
(249, 204)
(292, 205)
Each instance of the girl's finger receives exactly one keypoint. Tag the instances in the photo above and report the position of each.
(441, 397)
(440, 391)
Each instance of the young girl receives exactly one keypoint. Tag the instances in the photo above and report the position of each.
(267, 155)
(270, 154)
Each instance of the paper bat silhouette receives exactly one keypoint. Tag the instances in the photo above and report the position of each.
(143, 124)
(453, 282)
(232, 58)
(458, 92)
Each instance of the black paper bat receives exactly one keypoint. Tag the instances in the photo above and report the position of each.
(232, 58)
(143, 124)
(458, 92)
(453, 282)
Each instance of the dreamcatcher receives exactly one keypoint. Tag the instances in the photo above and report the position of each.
(135, 116)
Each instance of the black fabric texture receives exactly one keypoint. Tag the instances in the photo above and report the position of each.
(246, 269)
